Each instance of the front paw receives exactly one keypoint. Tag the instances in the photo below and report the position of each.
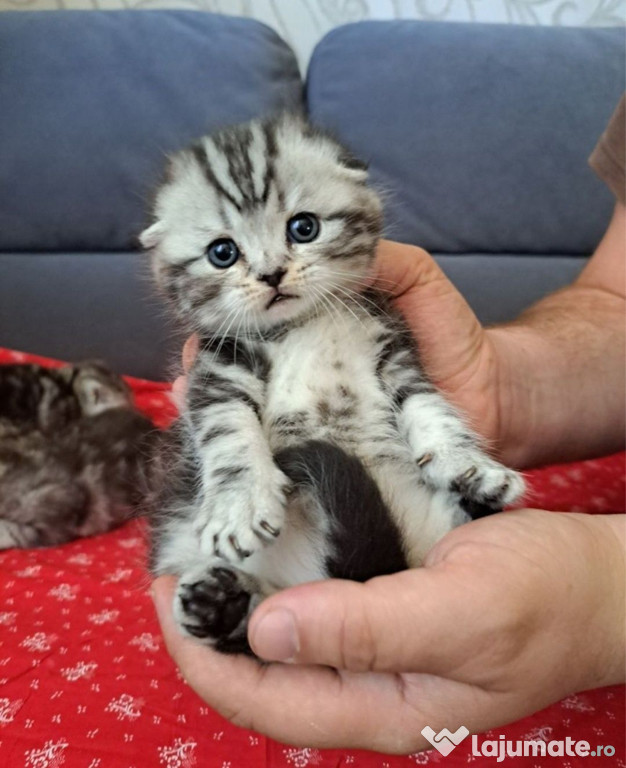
(476, 478)
(246, 517)
(489, 484)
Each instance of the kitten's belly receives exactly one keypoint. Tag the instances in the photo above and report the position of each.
(324, 386)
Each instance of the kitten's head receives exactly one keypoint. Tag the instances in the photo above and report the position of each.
(260, 224)
(97, 388)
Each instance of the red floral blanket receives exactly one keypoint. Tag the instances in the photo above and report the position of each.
(85, 681)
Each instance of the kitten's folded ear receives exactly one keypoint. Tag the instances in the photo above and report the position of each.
(152, 236)
(348, 160)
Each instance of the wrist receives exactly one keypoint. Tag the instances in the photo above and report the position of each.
(560, 384)
(608, 663)
(591, 601)
(517, 351)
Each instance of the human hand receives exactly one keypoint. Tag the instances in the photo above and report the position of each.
(546, 387)
(179, 387)
(466, 361)
(509, 614)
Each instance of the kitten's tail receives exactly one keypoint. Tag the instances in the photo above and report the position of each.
(365, 541)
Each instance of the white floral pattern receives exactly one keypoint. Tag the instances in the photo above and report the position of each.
(8, 710)
(126, 707)
(179, 754)
(51, 755)
(119, 574)
(104, 617)
(80, 559)
(302, 758)
(81, 670)
(146, 642)
(577, 703)
(64, 592)
(40, 641)
(30, 572)
(133, 543)
(425, 758)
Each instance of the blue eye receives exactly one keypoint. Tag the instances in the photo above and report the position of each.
(303, 228)
(222, 253)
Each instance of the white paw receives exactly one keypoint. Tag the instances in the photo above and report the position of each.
(474, 476)
(245, 518)
(491, 484)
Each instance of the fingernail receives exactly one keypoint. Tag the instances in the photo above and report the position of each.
(275, 637)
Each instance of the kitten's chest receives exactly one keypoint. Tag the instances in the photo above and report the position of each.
(324, 375)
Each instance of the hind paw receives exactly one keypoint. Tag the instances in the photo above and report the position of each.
(213, 606)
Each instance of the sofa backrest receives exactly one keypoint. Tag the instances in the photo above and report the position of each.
(93, 101)
(90, 104)
(477, 136)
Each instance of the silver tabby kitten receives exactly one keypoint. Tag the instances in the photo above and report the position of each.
(73, 453)
(312, 444)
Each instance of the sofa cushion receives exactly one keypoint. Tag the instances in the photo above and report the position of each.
(88, 305)
(478, 134)
(499, 286)
(92, 101)
(81, 305)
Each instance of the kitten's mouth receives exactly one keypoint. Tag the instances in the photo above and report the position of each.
(278, 297)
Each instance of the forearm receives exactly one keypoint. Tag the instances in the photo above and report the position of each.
(561, 365)
(563, 368)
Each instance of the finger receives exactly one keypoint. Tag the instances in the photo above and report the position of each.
(306, 706)
(400, 268)
(422, 620)
(447, 331)
(419, 285)
(179, 390)
(190, 350)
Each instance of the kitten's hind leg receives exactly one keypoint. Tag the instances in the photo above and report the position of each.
(213, 604)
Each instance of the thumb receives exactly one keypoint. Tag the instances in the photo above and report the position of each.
(422, 620)
(446, 329)
(190, 350)
(401, 268)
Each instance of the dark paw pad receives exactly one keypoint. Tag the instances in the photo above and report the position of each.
(214, 607)
(476, 509)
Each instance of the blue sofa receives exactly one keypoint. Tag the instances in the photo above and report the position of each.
(477, 135)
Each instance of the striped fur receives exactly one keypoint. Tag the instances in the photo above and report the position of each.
(312, 444)
(73, 453)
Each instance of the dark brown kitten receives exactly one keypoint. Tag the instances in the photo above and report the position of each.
(74, 453)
